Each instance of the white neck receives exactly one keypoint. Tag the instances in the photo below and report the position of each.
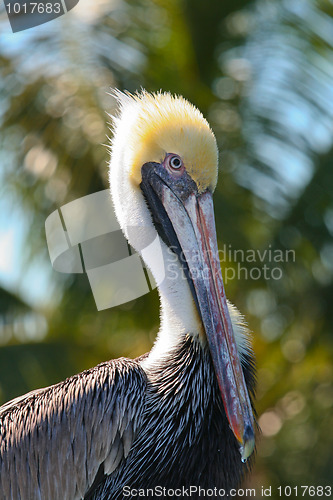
(178, 312)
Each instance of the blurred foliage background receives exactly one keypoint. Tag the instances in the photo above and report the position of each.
(261, 71)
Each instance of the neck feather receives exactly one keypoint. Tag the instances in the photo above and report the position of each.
(178, 313)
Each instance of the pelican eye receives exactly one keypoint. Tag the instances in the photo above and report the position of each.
(173, 162)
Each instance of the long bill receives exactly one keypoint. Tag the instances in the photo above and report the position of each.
(189, 225)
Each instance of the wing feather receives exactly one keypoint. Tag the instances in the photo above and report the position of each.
(54, 441)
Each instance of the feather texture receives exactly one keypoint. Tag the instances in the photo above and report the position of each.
(185, 439)
(53, 441)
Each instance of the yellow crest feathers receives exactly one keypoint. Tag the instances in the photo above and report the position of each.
(162, 123)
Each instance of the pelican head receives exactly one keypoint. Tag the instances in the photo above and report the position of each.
(163, 173)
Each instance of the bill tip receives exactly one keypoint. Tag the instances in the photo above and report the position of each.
(248, 445)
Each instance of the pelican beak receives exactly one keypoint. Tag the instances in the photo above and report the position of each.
(185, 221)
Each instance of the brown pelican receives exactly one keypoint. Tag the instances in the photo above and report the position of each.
(180, 417)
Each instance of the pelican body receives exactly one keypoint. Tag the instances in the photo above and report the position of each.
(181, 416)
